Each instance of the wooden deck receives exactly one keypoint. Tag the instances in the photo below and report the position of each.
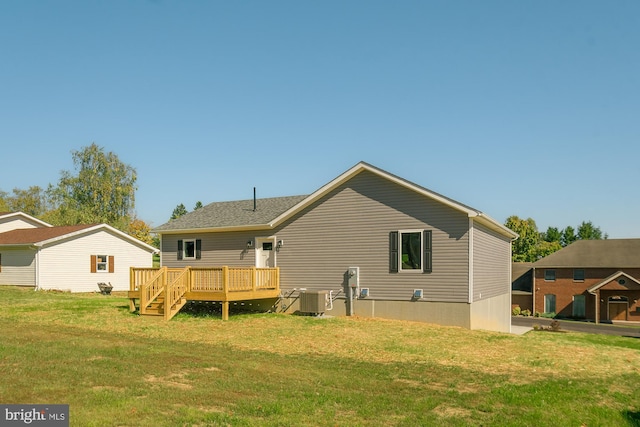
(164, 291)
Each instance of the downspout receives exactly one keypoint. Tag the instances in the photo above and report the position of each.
(37, 269)
(470, 260)
(597, 306)
(533, 290)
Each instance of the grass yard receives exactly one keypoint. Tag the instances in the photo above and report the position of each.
(118, 369)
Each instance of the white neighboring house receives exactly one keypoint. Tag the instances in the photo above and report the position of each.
(71, 258)
(13, 220)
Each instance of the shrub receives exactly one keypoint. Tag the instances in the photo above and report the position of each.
(526, 312)
(515, 311)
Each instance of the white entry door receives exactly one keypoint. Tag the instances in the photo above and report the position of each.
(265, 252)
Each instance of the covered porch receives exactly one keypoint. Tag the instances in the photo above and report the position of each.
(164, 291)
(616, 298)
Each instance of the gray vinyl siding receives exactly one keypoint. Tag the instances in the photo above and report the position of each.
(349, 227)
(218, 249)
(491, 263)
(18, 267)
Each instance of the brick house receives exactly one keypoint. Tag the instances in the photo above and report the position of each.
(590, 279)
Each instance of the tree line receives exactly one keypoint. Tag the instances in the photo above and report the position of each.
(533, 245)
(102, 190)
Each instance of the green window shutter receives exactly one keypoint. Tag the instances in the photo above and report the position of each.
(198, 249)
(179, 250)
(428, 251)
(393, 252)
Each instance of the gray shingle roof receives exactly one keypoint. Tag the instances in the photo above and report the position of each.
(611, 253)
(238, 213)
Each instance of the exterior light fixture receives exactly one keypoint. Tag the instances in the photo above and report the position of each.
(279, 244)
(249, 244)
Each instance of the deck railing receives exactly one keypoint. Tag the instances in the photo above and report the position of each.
(213, 284)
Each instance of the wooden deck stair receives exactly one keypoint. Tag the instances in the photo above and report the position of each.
(156, 308)
(164, 291)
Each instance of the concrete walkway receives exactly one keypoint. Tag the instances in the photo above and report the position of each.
(520, 325)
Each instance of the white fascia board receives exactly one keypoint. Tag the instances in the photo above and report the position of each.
(362, 166)
(214, 229)
(29, 217)
(492, 224)
(105, 227)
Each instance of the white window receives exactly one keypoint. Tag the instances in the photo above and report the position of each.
(189, 247)
(102, 263)
(410, 251)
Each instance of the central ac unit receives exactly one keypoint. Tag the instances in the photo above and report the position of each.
(313, 302)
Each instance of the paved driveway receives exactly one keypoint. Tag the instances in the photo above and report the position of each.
(624, 330)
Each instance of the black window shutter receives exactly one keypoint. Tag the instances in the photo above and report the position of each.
(179, 250)
(198, 249)
(393, 252)
(428, 252)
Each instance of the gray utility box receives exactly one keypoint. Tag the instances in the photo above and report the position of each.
(313, 302)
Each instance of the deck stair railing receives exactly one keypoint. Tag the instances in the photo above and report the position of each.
(152, 289)
(165, 291)
(175, 292)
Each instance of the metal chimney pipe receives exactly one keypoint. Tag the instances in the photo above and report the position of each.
(254, 199)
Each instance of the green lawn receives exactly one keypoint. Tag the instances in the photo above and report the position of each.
(118, 369)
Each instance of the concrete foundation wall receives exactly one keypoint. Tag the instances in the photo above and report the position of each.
(441, 313)
(492, 314)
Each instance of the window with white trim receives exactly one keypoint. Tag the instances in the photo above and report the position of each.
(102, 264)
(549, 275)
(189, 249)
(410, 251)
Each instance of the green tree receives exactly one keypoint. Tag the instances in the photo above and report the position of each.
(32, 201)
(141, 231)
(588, 231)
(4, 206)
(198, 205)
(179, 211)
(568, 236)
(545, 248)
(103, 190)
(524, 247)
(552, 235)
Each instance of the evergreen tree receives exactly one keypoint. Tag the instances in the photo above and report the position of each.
(179, 211)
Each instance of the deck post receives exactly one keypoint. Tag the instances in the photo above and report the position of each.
(254, 279)
(225, 310)
(132, 287)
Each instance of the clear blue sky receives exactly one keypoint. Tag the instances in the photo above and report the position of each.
(528, 108)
